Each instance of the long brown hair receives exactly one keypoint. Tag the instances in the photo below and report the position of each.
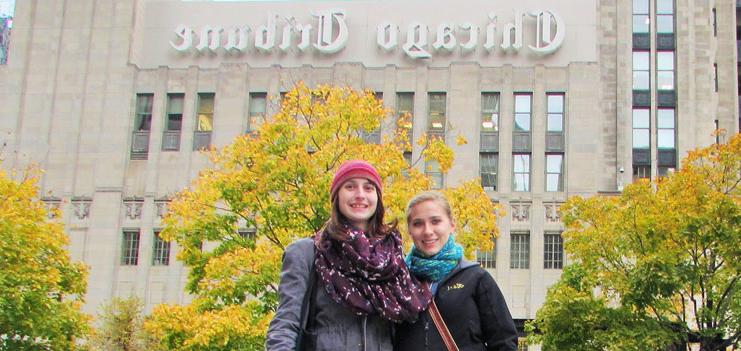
(335, 226)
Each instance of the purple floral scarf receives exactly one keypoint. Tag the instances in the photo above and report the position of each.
(370, 276)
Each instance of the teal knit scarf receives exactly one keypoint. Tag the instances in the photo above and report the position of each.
(436, 267)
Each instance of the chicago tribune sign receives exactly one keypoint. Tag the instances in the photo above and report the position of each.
(329, 33)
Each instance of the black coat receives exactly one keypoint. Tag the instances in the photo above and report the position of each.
(474, 310)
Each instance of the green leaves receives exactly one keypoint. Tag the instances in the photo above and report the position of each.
(655, 264)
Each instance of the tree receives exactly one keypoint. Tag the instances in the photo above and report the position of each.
(276, 183)
(121, 327)
(656, 265)
(41, 290)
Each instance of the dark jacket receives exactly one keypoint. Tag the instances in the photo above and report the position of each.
(334, 326)
(474, 310)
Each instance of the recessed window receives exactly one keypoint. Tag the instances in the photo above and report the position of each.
(665, 16)
(488, 259)
(174, 112)
(161, 251)
(665, 70)
(641, 133)
(405, 114)
(665, 128)
(553, 251)
(205, 112)
(130, 248)
(432, 170)
(555, 112)
(641, 79)
(257, 109)
(640, 16)
(519, 250)
(554, 172)
(488, 168)
(489, 112)
(521, 179)
(436, 117)
(522, 112)
(143, 117)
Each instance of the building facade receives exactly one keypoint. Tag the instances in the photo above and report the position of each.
(113, 99)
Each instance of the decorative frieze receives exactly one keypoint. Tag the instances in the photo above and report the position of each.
(161, 205)
(520, 211)
(551, 212)
(133, 207)
(52, 204)
(81, 207)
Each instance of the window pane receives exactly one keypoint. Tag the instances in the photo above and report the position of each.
(206, 103)
(555, 103)
(641, 80)
(640, 6)
(520, 251)
(640, 61)
(553, 182)
(640, 23)
(665, 6)
(640, 118)
(522, 182)
(665, 118)
(665, 60)
(175, 103)
(488, 170)
(522, 103)
(554, 163)
(490, 112)
(522, 163)
(522, 122)
(664, 24)
(640, 139)
(665, 138)
(436, 118)
(555, 122)
(665, 80)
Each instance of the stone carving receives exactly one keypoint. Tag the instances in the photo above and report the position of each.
(161, 206)
(81, 207)
(520, 211)
(133, 208)
(551, 212)
(52, 205)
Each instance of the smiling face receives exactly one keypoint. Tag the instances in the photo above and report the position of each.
(357, 200)
(430, 226)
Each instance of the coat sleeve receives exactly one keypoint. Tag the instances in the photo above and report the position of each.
(294, 279)
(497, 326)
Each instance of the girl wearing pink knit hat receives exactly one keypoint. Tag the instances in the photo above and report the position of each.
(343, 288)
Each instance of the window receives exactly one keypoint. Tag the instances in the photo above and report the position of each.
(665, 128)
(553, 251)
(258, 103)
(130, 248)
(522, 112)
(405, 113)
(489, 112)
(641, 171)
(488, 259)
(554, 172)
(161, 253)
(488, 168)
(521, 179)
(519, 251)
(174, 111)
(665, 70)
(248, 235)
(640, 16)
(205, 112)
(6, 25)
(436, 116)
(641, 121)
(641, 79)
(715, 76)
(432, 170)
(143, 117)
(555, 113)
(715, 21)
(665, 16)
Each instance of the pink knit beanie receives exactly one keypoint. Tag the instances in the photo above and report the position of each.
(352, 169)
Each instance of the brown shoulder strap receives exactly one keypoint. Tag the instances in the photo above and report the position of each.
(441, 327)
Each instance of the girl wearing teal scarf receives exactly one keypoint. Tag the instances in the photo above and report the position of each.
(437, 266)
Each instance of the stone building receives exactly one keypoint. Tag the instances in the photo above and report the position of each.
(113, 98)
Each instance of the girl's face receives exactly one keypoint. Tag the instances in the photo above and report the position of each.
(357, 199)
(430, 226)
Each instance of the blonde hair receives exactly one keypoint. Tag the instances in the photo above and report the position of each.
(429, 196)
